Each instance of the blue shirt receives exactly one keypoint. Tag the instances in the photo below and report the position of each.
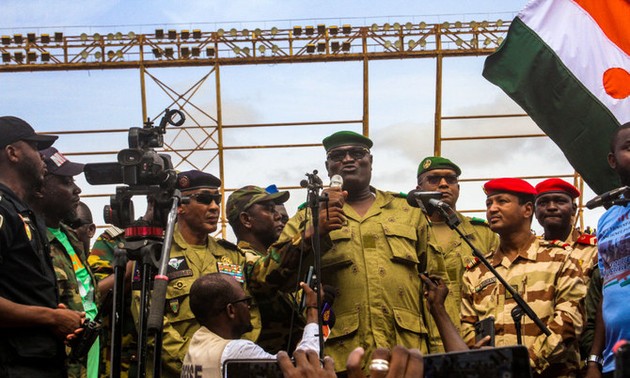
(613, 234)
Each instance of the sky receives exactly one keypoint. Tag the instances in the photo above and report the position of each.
(402, 95)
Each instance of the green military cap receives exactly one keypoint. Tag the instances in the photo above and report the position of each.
(437, 162)
(345, 138)
(243, 198)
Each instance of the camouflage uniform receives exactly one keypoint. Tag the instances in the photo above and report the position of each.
(449, 262)
(551, 283)
(373, 262)
(67, 283)
(101, 261)
(584, 251)
(184, 267)
(275, 311)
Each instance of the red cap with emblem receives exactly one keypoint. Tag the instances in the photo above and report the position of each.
(508, 185)
(556, 185)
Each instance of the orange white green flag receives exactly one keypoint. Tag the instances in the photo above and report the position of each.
(567, 63)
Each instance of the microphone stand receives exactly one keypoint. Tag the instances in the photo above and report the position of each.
(313, 185)
(522, 308)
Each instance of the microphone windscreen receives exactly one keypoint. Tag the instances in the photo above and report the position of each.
(336, 181)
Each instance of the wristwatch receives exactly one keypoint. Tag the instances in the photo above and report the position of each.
(595, 358)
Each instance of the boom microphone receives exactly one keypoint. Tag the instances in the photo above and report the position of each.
(418, 198)
(607, 198)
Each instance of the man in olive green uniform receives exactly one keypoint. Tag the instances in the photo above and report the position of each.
(542, 272)
(252, 213)
(57, 200)
(371, 253)
(555, 211)
(193, 253)
(447, 253)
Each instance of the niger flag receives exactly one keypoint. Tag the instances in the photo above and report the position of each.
(566, 63)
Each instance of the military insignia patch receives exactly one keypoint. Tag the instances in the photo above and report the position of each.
(175, 263)
(27, 227)
(174, 306)
(485, 283)
(426, 164)
(226, 260)
(184, 182)
(233, 270)
(471, 263)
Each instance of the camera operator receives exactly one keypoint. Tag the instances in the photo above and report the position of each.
(32, 323)
(194, 253)
(58, 199)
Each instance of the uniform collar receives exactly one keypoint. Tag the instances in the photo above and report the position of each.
(182, 244)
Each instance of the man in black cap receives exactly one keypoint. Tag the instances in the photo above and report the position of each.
(58, 199)
(194, 253)
(447, 253)
(33, 324)
(371, 252)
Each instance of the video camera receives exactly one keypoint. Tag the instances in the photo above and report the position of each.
(142, 170)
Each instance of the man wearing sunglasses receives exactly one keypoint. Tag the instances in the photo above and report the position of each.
(194, 253)
(222, 308)
(447, 254)
(371, 252)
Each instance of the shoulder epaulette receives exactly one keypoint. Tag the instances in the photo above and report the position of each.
(302, 206)
(586, 239)
(479, 222)
(228, 245)
(559, 244)
(114, 231)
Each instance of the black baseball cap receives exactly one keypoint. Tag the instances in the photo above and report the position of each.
(59, 165)
(13, 129)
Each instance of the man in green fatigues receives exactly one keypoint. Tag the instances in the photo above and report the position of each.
(194, 253)
(252, 213)
(371, 252)
(447, 254)
(58, 199)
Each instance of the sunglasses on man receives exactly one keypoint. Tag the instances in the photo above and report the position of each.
(436, 179)
(354, 153)
(206, 198)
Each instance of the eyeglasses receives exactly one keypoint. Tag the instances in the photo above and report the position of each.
(248, 301)
(436, 179)
(206, 198)
(355, 154)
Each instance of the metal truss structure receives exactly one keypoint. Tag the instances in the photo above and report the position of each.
(214, 49)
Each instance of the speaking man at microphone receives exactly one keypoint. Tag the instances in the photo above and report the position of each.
(371, 252)
(447, 254)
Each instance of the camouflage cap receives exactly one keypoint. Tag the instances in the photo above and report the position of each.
(345, 138)
(191, 180)
(437, 162)
(243, 198)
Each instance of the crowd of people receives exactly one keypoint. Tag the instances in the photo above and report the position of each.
(400, 282)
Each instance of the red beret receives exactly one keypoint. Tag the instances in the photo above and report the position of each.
(509, 185)
(557, 185)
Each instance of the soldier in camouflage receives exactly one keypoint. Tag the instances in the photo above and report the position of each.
(194, 253)
(101, 262)
(252, 213)
(371, 252)
(58, 199)
(447, 253)
(555, 211)
(542, 272)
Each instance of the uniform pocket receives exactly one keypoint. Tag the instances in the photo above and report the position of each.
(402, 241)
(409, 327)
(337, 257)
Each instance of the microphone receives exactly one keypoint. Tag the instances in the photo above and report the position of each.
(420, 199)
(336, 181)
(607, 198)
(328, 316)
